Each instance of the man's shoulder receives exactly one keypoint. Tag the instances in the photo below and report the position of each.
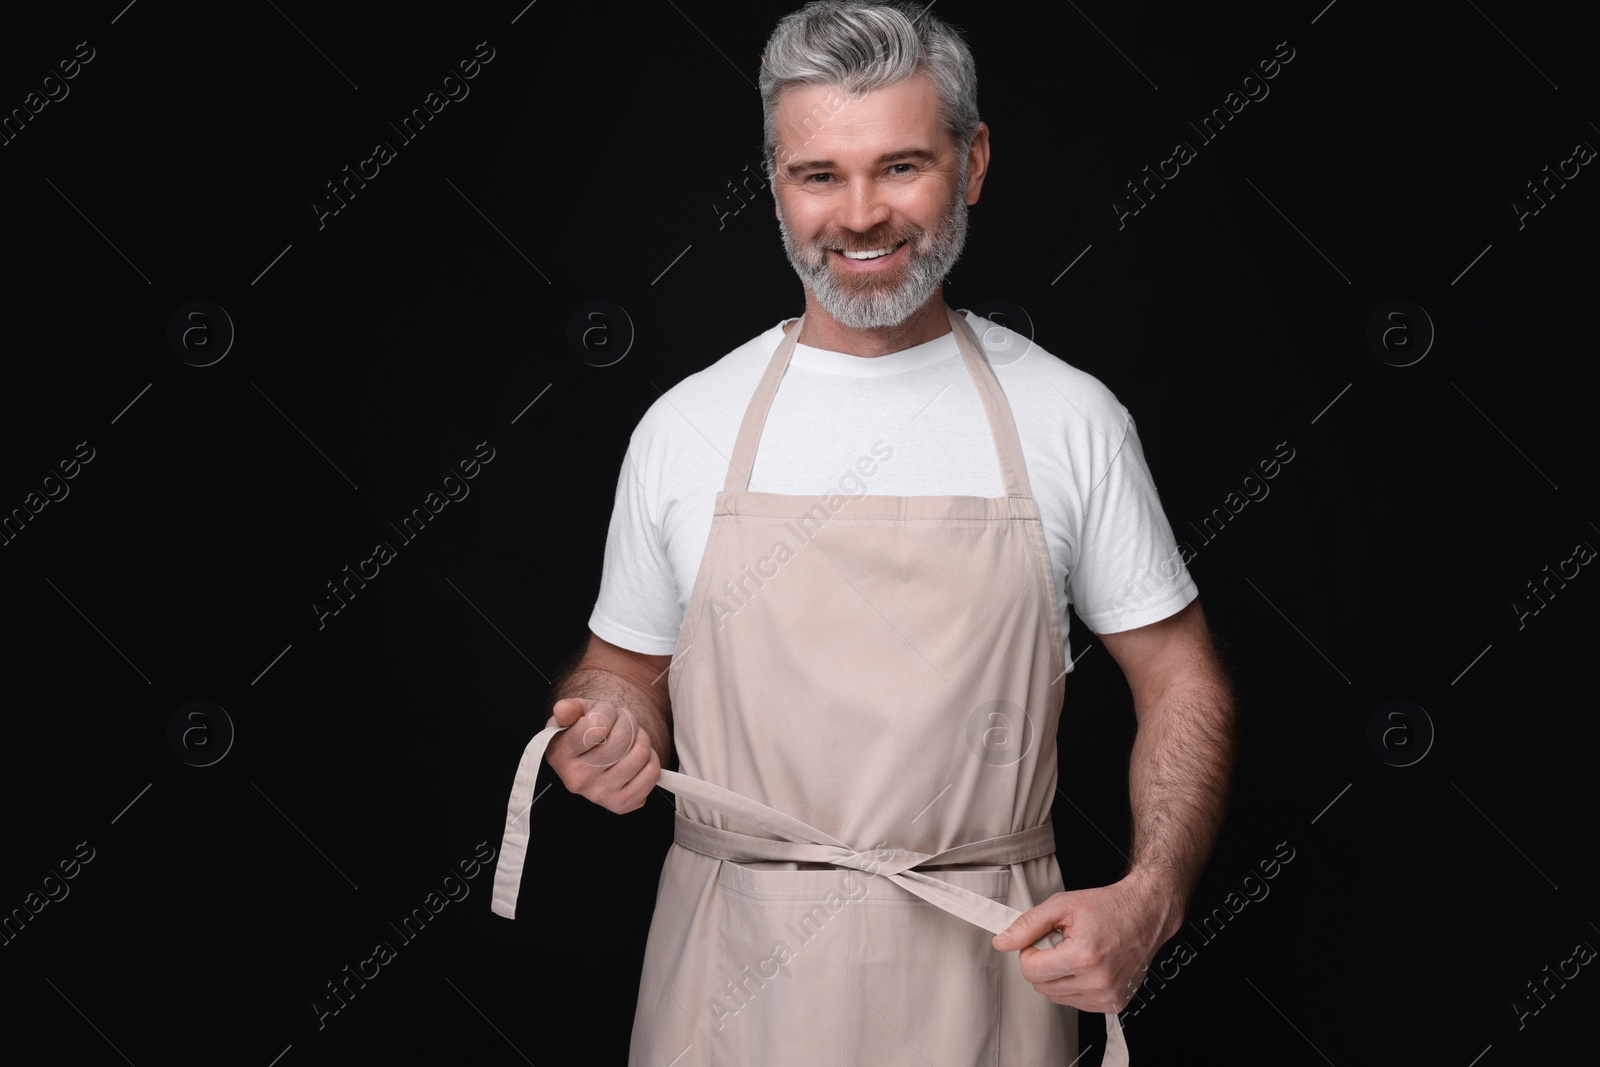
(1041, 381)
(706, 400)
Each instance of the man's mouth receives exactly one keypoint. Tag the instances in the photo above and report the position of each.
(870, 253)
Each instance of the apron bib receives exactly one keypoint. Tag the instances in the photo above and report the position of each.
(864, 696)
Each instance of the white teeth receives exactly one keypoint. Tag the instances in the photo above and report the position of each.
(873, 254)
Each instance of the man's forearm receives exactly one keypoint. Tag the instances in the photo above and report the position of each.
(1178, 785)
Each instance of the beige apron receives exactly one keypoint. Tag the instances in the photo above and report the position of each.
(864, 698)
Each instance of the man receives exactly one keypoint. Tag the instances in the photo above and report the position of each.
(858, 642)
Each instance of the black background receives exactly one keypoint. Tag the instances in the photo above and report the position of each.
(591, 160)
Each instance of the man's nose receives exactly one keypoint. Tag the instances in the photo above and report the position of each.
(864, 210)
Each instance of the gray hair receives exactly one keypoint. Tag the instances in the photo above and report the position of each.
(859, 46)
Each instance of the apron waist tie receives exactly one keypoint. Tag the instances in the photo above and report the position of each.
(744, 848)
(798, 842)
(895, 864)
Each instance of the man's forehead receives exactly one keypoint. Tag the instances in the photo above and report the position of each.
(903, 114)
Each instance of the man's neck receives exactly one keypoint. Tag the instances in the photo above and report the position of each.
(824, 331)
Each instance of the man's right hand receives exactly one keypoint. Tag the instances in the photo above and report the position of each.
(603, 755)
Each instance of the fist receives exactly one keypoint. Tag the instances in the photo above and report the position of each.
(603, 755)
(1111, 934)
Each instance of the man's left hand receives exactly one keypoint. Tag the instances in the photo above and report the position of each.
(1111, 935)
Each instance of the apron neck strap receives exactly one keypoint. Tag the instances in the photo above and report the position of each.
(1002, 427)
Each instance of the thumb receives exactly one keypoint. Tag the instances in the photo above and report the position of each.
(1028, 927)
(568, 710)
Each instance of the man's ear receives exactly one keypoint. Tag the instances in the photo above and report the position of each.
(977, 162)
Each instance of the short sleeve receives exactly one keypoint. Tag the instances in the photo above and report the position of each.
(1129, 572)
(638, 604)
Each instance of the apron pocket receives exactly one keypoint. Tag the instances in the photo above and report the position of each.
(837, 966)
(777, 996)
(929, 980)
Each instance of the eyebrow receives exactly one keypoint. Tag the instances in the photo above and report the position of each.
(900, 155)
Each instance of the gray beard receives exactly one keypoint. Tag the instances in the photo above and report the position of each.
(867, 302)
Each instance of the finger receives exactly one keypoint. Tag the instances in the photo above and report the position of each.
(1095, 1005)
(639, 786)
(1079, 992)
(1050, 965)
(1028, 927)
(608, 738)
(607, 785)
(1076, 959)
(595, 729)
(1071, 987)
(568, 751)
(1083, 986)
(597, 723)
(1050, 939)
(589, 729)
(619, 777)
(609, 735)
(565, 748)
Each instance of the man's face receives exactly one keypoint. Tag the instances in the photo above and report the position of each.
(875, 175)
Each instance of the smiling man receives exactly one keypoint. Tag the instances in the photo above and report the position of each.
(836, 587)
(880, 226)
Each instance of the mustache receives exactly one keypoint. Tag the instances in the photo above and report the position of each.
(885, 238)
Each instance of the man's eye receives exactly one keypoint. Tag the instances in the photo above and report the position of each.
(818, 179)
(895, 167)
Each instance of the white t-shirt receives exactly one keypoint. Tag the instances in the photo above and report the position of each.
(916, 417)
